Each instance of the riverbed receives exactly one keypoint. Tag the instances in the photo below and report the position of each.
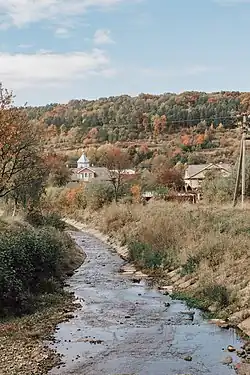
(126, 327)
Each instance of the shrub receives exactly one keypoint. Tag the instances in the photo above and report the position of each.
(149, 257)
(53, 219)
(98, 194)
(191, 265)
(217, 189)
(218, 294)
(29, 261)
(34, 218)
(144, 255)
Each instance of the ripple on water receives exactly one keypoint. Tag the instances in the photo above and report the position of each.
(137, 332)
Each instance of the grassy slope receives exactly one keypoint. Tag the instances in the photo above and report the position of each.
(204, 248)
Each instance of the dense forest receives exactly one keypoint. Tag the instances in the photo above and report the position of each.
(125, 118)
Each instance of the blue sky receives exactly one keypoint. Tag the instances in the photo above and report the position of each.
(58, 50)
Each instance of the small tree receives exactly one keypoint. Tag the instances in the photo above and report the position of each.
(216, 188)
(136, 193)
(19, 146)
(116, 161)
(59, 174)
(169, 177)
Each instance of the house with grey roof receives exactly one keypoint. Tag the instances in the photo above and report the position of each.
(195, 174)
(85, 173)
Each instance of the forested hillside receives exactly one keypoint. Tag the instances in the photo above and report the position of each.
(124, 118)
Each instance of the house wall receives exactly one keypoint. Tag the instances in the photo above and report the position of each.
(193, 183)
(85, 176)
(196, 181)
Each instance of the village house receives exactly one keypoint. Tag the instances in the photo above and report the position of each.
(85, 173)
(195, 174)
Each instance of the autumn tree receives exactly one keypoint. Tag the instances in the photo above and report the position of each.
(136, 193)
(58, 173)
(169, 177)
(116, 161)
(19, 146)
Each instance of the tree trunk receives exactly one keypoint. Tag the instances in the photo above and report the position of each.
(14, 209)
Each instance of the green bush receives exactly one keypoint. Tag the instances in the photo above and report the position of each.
(144, 255)
(218, 294)
(34, 218)
(191, 265)
(30, 260)
(52, 219)
(98, 194)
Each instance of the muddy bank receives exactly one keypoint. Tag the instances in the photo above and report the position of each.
(125, 326)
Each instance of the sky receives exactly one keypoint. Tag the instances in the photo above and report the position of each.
(59, 50)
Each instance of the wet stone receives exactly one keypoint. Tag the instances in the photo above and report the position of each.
(154, 338)
(188, 358)
(227, 360)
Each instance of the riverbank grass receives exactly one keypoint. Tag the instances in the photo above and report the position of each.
(208, 245)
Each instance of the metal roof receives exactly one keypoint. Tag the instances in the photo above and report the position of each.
(83, 159)
(193, 170)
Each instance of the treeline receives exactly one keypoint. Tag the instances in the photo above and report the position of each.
(124, 118)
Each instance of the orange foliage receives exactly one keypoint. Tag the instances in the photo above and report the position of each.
(159, 124)
(136, 192)
(186, 140)
(19, 144)
(71, 195)
(200, 138)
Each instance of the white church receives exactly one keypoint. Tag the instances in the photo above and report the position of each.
(85, 173)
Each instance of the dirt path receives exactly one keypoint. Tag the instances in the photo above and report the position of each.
(128, 328)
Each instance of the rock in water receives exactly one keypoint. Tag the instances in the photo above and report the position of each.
(227, 361)
(136, 281)
(188, 358)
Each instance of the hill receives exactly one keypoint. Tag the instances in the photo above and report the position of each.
(154, 119)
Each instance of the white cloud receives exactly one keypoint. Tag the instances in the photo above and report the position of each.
(62, 32)
(19, 71)
(103, 37)
(21, 12)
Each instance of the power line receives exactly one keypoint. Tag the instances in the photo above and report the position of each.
(181, 121)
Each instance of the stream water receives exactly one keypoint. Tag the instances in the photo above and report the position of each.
(127, 328)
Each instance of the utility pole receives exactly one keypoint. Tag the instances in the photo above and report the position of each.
(241, 166)
(238, 176)
(243, 187)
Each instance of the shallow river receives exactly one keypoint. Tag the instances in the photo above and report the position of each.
(137, 332)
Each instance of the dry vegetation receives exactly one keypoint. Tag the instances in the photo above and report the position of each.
(209, 246)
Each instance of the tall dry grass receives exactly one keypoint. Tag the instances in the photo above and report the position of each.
(209, 243)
